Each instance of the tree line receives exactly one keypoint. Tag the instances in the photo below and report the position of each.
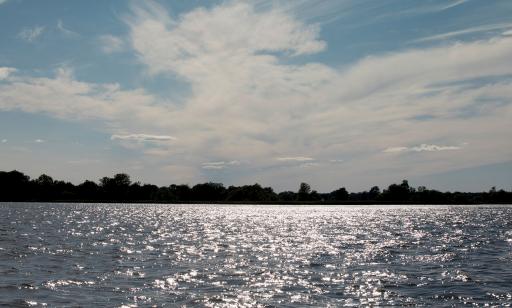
(16, 186)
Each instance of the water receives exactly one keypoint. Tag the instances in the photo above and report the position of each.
(204, 255)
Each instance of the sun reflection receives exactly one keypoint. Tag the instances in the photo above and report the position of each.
(226, 256)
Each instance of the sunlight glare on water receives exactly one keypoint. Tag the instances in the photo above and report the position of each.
(214, 255)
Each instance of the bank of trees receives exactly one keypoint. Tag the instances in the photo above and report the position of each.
(16, 186)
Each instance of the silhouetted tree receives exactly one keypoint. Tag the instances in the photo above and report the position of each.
(314, 196)
(45, 189)
(88, 190)
(340, 194)
(16, 186)
(183, 193)
(250, 193)
(208, 192)
(304, 191)
(374, 193)
(44, 180)
(116, 188)
(63, 191)
(287, 196)
(144, 192)
(398, 192)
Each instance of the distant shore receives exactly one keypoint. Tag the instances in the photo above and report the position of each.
(18, 187)
(327, 203)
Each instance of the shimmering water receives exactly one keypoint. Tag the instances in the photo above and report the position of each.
(213, 255)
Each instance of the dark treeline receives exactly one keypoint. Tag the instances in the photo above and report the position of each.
(16, 186)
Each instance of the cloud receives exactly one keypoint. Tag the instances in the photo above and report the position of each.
(308, 165)
(217, 165)
(213, 166)
(66, 31)
(142, 137)
(83, 161)
(31, 34)
(4, 140)
(336, 161)
(3, 1)
(191, 44)
(5, 72)
(471, 30)
(452, 4)
(111, 44)
(429, 7)
(66, 98)
(39, 141)
(295, 158)
(422, 148)
(254, 96)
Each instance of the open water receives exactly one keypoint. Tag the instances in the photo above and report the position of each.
(254, 255)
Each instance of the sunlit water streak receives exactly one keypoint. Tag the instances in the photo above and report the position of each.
(258, 255)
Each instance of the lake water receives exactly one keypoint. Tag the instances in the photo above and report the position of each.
(250, 255)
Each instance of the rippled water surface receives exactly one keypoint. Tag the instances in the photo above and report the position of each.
(213, 255)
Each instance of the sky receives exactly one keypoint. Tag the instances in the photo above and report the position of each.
(342, 93)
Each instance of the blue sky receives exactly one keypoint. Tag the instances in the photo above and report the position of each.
(334, 93)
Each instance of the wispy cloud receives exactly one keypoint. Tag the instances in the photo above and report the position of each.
(471, 30)
(295, 158)
(142, 137)
(39, 141)
(308, 165)
(216, 165)
(111, 44)
(4, 140)
(5, 72)
(426, 7)
(252, 96)
(67, 32)
(452, 4)
(2, 1)
(422, 148)
(83, 161)
(31, 34)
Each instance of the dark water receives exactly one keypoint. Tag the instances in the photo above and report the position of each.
(172, 255)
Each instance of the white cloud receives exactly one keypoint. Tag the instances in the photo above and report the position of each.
(335, 161)
(426, 7)
(247, 101)
(396, 149)
(213, 167)
(4, 140)
(157, 152)
(422, 148)
(234, 31)
(111, 44)
(452, 4)
(295, 158)
(64, 97)
(216, 165)
(83, 161)
(142, 137)
(66, 31)
(31, 34)
(39, 141)
(471, 30)
(5, 72)
(308, 165)
(2, 1)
